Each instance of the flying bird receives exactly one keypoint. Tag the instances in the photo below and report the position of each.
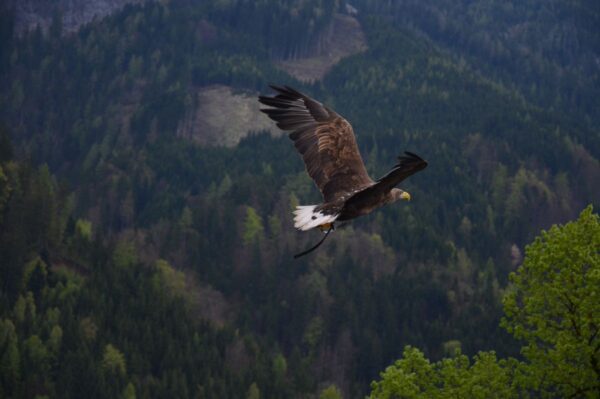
(328, 147)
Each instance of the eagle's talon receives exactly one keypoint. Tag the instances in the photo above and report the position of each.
(325, 227)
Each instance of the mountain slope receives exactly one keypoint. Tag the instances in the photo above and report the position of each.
(32, 13)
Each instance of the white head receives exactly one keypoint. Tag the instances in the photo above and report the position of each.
(398, 194)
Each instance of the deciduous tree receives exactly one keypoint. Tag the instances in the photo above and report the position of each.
(554, 306)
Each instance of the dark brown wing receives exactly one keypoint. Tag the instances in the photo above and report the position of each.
(323, 138)
(408, 164)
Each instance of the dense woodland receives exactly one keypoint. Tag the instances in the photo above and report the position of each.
(134, 263)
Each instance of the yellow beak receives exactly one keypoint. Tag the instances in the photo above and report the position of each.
(405, 196)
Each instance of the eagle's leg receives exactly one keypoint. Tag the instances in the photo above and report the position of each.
(325, 227)
(316, 246)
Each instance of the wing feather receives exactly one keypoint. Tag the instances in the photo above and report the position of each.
(408, 164)
(324, 139)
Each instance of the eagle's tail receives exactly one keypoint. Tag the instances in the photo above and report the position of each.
(307, 217)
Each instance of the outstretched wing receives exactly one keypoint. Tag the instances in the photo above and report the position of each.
(323, 138)
(408, 164)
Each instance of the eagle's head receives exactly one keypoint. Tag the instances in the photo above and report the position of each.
(398, 194)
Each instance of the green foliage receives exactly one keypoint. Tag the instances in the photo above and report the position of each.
(55, 339)
(125, 254)
(331, 392)
(286, 28)
(113, 361)
(83, 229)
(89, 329)
(169, 279)
(413, 376)
(314, 332)
(129, 392)
(110, 310)
(10, 360)
(253, 227)
(36, 355)
(553, 306)
(253, 392)
(25, 309)
(279, 366)
(34, 275)
(475, 32)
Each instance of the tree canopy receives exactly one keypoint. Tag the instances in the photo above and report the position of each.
(552, 304)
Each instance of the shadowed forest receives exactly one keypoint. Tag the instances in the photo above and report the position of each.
(137, 262)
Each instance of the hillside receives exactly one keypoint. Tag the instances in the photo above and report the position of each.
(29, 14)
(344, 37)
(223, 117)
(547, 51)
(147, 238)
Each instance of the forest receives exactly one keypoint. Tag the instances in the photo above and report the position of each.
(135, 262)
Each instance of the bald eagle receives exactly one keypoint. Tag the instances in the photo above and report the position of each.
(328, 147)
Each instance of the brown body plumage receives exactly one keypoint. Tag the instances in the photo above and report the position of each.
(328, 147)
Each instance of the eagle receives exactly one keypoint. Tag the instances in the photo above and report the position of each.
(326, 142)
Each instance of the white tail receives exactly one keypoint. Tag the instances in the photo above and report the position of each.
(307, 218)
